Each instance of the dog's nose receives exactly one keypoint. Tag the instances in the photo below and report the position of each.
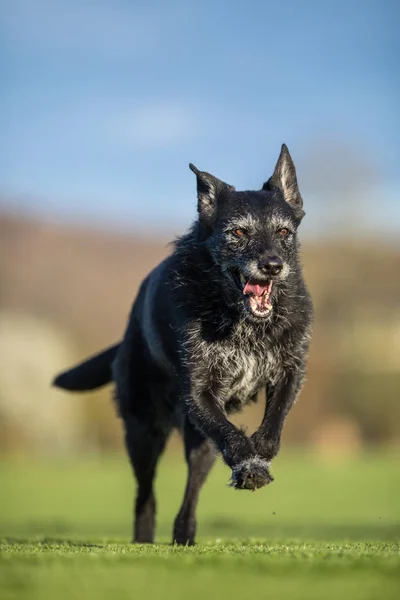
(271, 265)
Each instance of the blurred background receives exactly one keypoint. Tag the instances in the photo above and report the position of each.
(104, 104)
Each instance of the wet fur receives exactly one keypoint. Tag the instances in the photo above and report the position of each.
(192, 352)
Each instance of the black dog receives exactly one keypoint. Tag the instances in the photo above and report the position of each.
(226, 315)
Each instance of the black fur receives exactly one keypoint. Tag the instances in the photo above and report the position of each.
(198, 348)
(92, 374)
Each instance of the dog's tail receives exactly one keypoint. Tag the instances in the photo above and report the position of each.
(90, 374)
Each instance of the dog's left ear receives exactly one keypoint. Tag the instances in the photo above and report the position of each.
(284, 178)
(209, 188)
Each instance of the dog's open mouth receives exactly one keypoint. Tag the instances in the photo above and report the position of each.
(258, 294)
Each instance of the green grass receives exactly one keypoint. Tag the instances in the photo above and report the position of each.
(321, 530)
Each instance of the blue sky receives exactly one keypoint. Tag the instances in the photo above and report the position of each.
(105, 103)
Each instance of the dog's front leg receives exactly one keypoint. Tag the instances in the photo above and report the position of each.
(279, 401)
(249, 471)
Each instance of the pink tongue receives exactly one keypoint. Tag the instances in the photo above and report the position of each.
(256, 288)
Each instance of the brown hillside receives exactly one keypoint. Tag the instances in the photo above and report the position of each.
(82, 282)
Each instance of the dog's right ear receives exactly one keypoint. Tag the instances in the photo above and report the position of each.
(208, 190)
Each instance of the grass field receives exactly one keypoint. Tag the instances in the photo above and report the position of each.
(321, 531)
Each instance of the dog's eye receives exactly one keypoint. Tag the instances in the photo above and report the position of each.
(239, 232)
(284, 232)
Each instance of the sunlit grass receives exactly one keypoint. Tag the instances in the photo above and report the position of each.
(321, 530)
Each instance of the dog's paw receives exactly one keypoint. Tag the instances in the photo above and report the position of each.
(251, 474)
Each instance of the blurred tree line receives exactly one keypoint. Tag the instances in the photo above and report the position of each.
(66, 292)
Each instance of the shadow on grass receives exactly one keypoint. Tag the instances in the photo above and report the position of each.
(231, 528)
(219, 527)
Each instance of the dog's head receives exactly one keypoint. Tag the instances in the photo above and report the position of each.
(252, 235)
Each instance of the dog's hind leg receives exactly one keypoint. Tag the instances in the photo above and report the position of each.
(145, 444)
(200, 456)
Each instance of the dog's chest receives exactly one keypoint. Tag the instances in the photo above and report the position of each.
(250, 371)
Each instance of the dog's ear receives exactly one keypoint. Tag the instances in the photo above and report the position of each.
(284, 178)
(209, 188)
